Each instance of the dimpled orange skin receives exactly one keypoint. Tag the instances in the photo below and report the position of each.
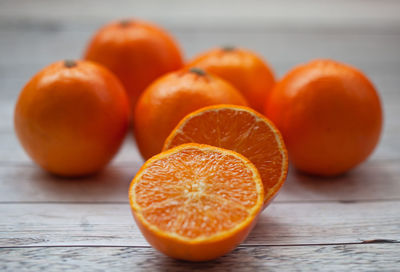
(329, 114)
(244, 69)
(196, 252)
(170, 98)
(136, 51)
(71, 117)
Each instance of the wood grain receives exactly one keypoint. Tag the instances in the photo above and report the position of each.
(11, 152)
(376, 180)
(81, 224)
(363, 257)
(347, 223)
(376, 54)
(364, 15)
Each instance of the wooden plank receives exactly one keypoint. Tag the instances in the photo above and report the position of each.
(7, 115)
(281, 49)
(11, 152)
(209, 13)
(366, 257)
(27, 183)
(370, 181)
(377, 55)
(31, 184)
(21, 180)
(83, 224)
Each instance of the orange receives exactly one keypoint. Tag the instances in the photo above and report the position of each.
(240, 129)
(137, 52)
(244, 69)
(196, 202)
(329, 114)
(71, 117)
(170, 98)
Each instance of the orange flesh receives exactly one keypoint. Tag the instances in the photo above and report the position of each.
(241, 130)
(197, 193)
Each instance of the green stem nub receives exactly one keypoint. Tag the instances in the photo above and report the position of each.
(125, 23)
(69, 63)
(228, 48)
(197, 71)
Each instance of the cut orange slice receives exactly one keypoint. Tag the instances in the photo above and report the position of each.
(196, 202)
(240, 129)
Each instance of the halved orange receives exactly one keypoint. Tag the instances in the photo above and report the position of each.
(196, 202)
(240, 129)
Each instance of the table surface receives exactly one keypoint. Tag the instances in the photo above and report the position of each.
(350, 222)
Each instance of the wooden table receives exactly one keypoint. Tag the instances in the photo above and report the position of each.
(347, 223)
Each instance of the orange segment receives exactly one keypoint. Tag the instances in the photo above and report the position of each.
(240, 129)
(196, 202)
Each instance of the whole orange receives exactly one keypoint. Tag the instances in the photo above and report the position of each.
(136, 51)
(329, 114)
(244, 69)
(170, 98)
(71, 117)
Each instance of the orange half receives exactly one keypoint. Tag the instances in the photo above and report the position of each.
(196, 202)
(240, 129)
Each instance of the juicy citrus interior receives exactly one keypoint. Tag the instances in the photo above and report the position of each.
(242, 130)
(196, 192)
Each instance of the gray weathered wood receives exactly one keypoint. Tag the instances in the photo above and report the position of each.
(376, 54)
(308, 13)
(83, 224)
(11, 152)
(365, 257)
(314, 224)
(375, 180)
